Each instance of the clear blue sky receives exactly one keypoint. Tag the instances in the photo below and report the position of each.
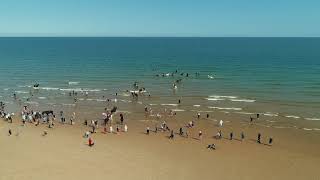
(160, 18)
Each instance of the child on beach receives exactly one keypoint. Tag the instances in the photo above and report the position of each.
(10, 132)
(90, 142)
(121, 118)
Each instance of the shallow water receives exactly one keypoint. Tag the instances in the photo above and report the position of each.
(256, 75)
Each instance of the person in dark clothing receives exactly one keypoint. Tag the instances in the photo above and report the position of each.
(171, 135)
(259, 138)
(231, 135)
(121, 118)
(270, 141)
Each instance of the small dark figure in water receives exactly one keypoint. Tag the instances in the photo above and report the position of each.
(259, 138)
(231, 135)
(187, 75)
(15, 96)
(258, 115)
(116, 94)
(270, 141)
(242, 136)
(251, 119)
(207, 116)
(171, 135)
(198, 115)
(179, 101)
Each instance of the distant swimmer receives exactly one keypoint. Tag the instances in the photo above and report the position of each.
(179, 101)
(210, 77)
(207, 116)
(258, 115)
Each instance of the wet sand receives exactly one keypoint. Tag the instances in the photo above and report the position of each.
(64, 153)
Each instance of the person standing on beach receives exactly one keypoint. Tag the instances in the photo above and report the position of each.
(125, 128)
(180, 131)
(200, 135)
(231, 135)
(207, 116)
(148, 130)
(270, 141)
(198, 115)
(258, 115)
(259, 138)
(121, 118)
(111, 129)
(9, 132)
(242, 136)
(171, 135)
(90, 142)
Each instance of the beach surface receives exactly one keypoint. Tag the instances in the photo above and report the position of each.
(63, 153)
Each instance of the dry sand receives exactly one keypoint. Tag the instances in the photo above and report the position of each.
(64, 153)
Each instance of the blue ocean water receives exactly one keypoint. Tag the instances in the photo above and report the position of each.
(282, 75)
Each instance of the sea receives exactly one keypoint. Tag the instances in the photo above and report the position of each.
(271, 76)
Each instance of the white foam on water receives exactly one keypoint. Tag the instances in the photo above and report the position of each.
(125, 94)
(178, 110)
(139, 102)
(90, 99)
(126, 101)
(21, 92)
(243, 100)
(48, 88)
(68, 105)
(226, 112)
(42, 98)
(280, 127)
(201, 111)
(81, 99)
(271, 121)
(23, 86)
(31, 102)
(316, 129)
(215, 99)
(249, 113)
(196, 105)
(225, 108)
(73, 83)
(153, 104)
(6, 89)
(79, 90)
(270, 114)
(101, 100)
(169, 104)
(292, 116)
(227, 97)
(307, 129)
(312, 119)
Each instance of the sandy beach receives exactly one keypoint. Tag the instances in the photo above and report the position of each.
(63, 153)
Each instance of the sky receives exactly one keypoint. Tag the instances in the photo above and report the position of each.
(161, 18)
